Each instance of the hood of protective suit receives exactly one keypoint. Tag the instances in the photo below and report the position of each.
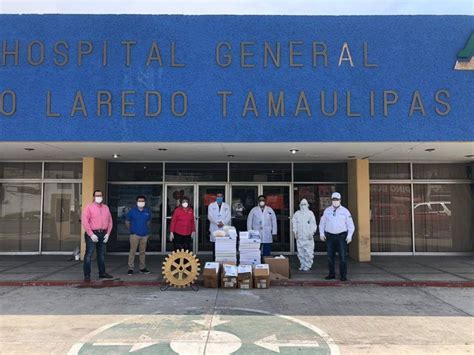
(304, 206)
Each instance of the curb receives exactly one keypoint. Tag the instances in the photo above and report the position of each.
(281, 283)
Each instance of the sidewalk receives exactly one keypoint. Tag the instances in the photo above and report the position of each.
(448, 271)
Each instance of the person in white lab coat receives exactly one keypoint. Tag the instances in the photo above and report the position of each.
(304, 227)
(336, 229)
(218, 214)
(263, 219)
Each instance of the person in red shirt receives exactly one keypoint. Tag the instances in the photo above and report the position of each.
(182, 226)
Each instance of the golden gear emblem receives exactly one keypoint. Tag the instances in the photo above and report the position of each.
(181, 268)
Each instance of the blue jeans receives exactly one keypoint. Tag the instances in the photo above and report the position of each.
(90, 247)
(337, 242)
(266, 249)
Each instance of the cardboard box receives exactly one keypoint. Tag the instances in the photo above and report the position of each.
(261, 276)
(244, 277)
(211, 274)
(279, 268)
(228, 276)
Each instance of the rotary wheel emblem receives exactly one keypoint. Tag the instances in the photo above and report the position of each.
(181, 268)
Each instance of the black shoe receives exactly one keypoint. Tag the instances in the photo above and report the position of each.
(130, 272)
(144, 271)
(330, 277)
(87, 279)
(106, 276)
(343, 278)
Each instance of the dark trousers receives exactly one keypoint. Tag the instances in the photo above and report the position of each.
(266, 249)
(90, 247)
(182, 242)
(337, 242)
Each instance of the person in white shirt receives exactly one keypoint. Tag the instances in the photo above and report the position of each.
(218, 214)
(336, 228)
(263, 219)
(304, 227)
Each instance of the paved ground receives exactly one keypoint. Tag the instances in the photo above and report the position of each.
(302, 320)
(381, 269)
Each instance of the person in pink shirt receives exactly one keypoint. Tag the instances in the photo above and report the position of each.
(97, 221)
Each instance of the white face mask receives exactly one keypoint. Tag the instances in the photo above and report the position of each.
(304, 207)
(98, 199)
(185, 205)
(262, 203)
(336, 203)
(141, 204)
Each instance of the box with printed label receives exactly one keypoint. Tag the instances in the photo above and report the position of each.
(261, 276)
(244, 276)
(211, 274)
(229, 276)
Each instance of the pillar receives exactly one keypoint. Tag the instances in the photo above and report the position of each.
(359, 206)
(93, 178)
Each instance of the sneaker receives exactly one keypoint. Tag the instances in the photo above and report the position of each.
(106, 276)
(343, 278)
(87, 279)
(130, 272)
(301, 268)
(330, 277)
(144, 271)
(305, 269)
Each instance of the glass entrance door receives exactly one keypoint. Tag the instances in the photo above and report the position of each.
(244, 198)
(174, 193)
(278, 198)
(207, 195)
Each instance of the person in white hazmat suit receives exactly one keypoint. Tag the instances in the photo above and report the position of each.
(304, 227)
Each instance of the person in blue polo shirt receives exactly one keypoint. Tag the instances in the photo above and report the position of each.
(138, 221)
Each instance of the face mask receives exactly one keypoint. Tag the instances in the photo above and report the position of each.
(261, 203)
(185, 205)
(98, 199)
(304, 207)
(141, 204)
(336, 203)
(219, 200)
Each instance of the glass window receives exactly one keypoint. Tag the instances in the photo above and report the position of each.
(318, 197)
(61, 217)
(135, 172)
(63, 170)
(442, 171)
(20, 170)
(20, 206)
(188, 172)
(390, 218)
(260, 172)
(444, 217)
(320, 172)
(387, 171)
(122, 198)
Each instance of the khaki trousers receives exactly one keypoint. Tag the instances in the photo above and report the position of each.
(135, 242)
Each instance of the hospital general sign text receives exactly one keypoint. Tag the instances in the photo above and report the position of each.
(234, 78)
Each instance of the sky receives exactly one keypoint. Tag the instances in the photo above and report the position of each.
(242, 7)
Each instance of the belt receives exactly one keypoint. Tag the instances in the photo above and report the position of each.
(337, 233)
(99, 230)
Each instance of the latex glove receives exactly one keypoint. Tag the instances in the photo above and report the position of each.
(193, 235)
(106, 238)
(296, 237)
(322, 237)
(94, 238)
(349, 239)
(171, 236)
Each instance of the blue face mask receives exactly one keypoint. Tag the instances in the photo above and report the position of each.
(219, 200)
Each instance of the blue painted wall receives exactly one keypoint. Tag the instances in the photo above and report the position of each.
(412, 53)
